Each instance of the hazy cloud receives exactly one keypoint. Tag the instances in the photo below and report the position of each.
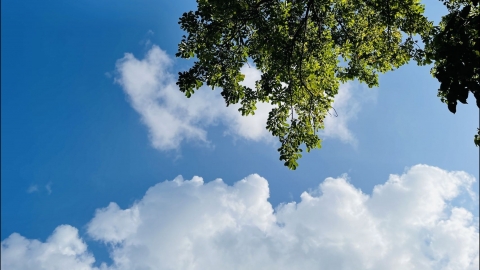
(347, 105)
(32, 188)
(48, 187)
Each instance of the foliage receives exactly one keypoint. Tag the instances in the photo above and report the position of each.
(476, 139)
(454, 46)
(304, 49)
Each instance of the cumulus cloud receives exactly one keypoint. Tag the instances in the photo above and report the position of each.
(405, 223)
(62, 250)
(112, 225)
(171, 118)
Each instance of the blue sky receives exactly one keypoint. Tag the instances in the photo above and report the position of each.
(73, 139)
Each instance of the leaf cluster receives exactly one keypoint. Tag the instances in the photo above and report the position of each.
(454, 47)
(304, 49)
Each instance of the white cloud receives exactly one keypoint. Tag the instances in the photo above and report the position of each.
(62, 250)
(252, 127)
(112, 225)
(406, 223)
(172, 118)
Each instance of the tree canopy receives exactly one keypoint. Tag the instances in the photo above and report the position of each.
(306, 48)
(454, 47)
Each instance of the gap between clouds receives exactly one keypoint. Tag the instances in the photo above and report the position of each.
(171, 118)
(406, 223)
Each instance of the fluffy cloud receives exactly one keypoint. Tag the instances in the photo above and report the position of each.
(406, 223)
(171, 118)
(62, 250)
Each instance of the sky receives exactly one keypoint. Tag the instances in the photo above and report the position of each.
(106, 165)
